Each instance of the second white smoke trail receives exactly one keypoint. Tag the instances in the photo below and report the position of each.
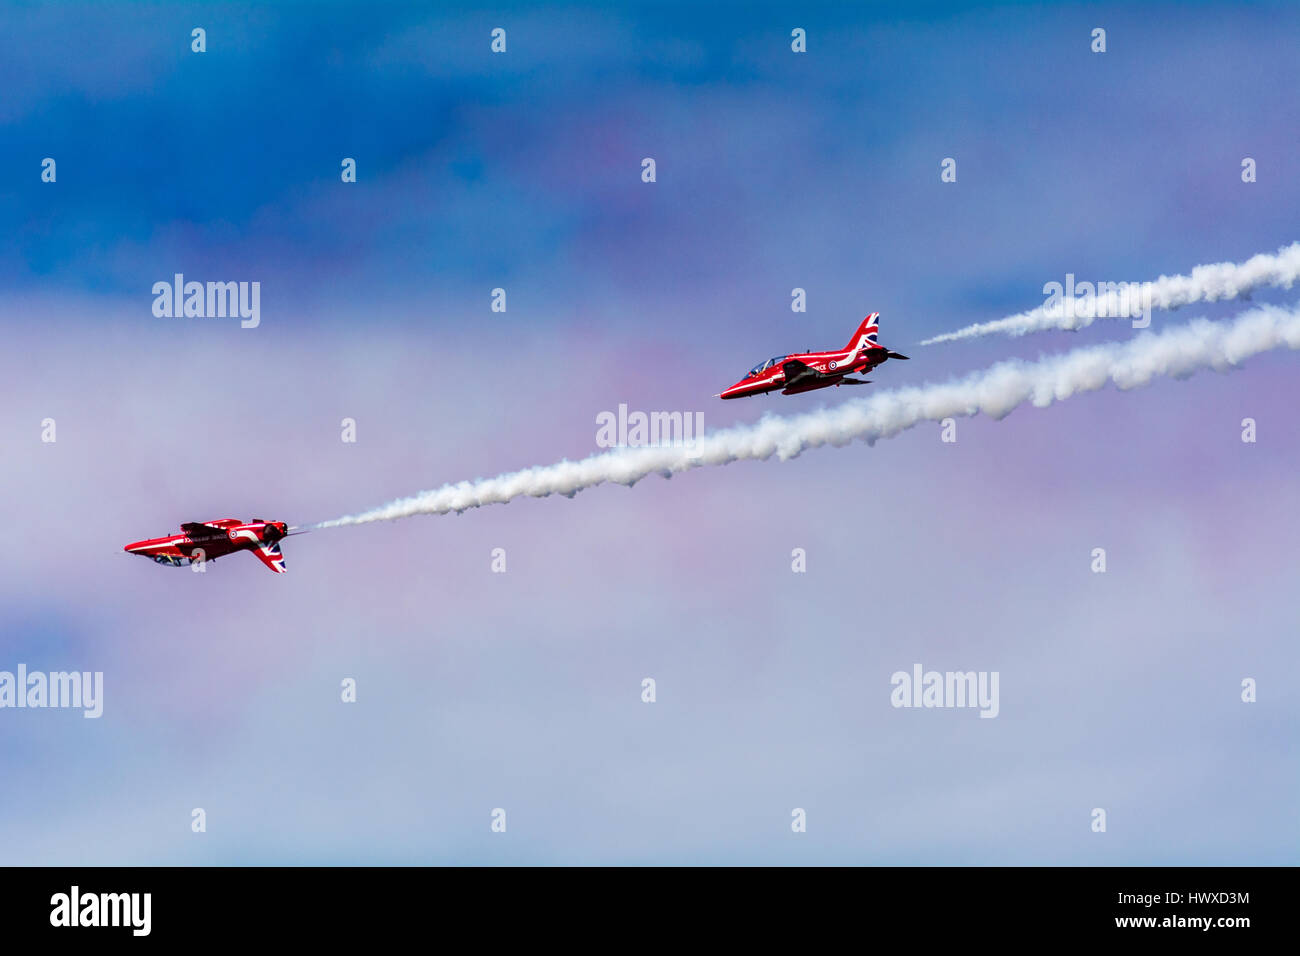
(995, 391)
(1216, 282)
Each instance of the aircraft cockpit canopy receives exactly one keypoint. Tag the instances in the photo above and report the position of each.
(764, 366)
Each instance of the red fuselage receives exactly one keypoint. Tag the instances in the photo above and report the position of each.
(806, 371)
(209, 540)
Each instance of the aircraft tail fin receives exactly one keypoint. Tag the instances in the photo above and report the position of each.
(867, 335)
(271, 556)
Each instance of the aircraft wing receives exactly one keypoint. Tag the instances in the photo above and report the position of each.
(192, 528)
(271, 556)
(797, 373)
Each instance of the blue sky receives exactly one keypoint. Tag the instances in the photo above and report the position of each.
(521, 690)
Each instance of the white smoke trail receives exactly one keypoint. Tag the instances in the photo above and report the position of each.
(1209, 283)
(996, 391)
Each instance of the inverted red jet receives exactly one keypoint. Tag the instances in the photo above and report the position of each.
(209, 540)
(809, 370)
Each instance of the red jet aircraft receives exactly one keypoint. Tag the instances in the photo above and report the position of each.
(209, 540)
(810, 370)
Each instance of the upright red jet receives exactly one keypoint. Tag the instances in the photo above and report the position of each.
(209, 540)
(809, 370)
